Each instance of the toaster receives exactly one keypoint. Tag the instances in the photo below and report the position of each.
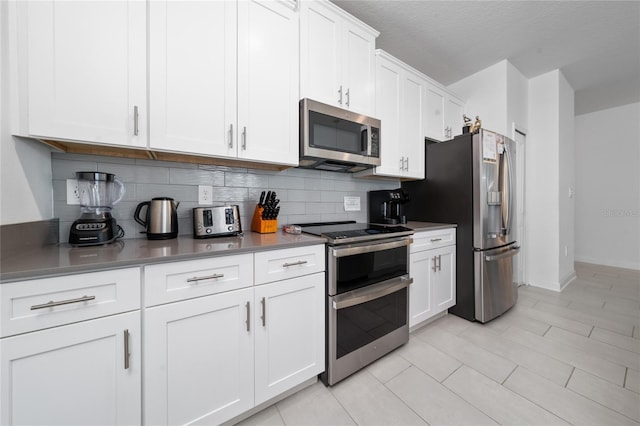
(216, 221)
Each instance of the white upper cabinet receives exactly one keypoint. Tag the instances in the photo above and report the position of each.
(400, 105)
(268, 76)
(192, 76)
(201, 103)
(443, 113)
(80, 71)
(337, 57)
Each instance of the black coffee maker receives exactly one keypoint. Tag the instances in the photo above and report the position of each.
(387, 206)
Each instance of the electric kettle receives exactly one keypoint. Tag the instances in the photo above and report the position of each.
(161, 219)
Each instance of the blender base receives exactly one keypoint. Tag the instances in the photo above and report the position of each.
(94, 232)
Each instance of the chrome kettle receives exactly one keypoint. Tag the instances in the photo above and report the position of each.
(161, 219)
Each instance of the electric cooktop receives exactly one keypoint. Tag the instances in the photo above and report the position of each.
(350, 231)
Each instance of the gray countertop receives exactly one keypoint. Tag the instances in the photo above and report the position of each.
(62, 259)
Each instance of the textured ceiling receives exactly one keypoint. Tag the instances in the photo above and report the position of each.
(596, 44)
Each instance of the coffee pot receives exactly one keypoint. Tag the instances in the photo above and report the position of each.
(161, 219)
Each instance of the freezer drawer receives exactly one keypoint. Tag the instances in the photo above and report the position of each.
(495, 291)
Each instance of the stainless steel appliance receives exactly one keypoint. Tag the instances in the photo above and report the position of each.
(367, 294)
(98, 192)
(216, 221)
(470, 181)
(161, 218)
(337, 140)
(387, 206)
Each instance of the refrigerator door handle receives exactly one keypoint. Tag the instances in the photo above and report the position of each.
(508, 191)
(512, 252)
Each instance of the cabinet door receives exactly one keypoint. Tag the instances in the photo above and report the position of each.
(454, 111)
(74, 374)
(412, 125)
(358, 71)
(389, 81)
(192, 76)
(86, 70)
(443, 285)
(289, 334)
(199, 359)
(434, 112)
(320, 37)
(420, 268)
(268, 80)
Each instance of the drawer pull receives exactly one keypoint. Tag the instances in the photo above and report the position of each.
(208, 277)
(435, 240)
(51, 303)
(299, 262)
(263, 302)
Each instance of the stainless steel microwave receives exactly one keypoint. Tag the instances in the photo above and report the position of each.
(337, 140)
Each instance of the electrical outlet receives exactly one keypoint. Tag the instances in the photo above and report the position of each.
(73, 195)
(205, 195)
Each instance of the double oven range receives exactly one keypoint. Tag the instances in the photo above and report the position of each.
(367, 301)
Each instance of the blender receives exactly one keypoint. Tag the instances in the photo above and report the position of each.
(98, 192)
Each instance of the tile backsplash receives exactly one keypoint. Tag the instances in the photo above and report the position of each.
(305, 195)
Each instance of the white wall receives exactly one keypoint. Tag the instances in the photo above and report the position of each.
(607, 154)
(517, 101)
(485, 93)
(549, 162)
(566, 180)
(25, 166)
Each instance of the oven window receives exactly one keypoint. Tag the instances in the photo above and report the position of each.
(361, 270)
(331, 133)
(361, 324)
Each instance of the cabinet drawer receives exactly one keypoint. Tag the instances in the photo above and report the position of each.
(279, 265)
(174, 281)
(426, 240)
(49, 302)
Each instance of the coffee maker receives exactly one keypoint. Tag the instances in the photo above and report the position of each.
(387, 206)
(98, 192)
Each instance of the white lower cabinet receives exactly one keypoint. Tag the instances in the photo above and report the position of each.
(87, 373)
(432, 267)
(209, 359)
(289, 334)
(199, 359)
(70, 350)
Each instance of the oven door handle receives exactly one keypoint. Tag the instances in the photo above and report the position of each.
(369, 248)
(372, 292)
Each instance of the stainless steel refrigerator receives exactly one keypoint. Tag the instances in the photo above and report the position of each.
(470, 181)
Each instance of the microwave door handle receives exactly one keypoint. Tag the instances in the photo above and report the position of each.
(365, 140)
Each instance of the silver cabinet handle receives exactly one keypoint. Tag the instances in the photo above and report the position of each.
(126, 349)
(434, 267)
(208, 277)
(340, 93)
(248, 321)
(231, 135)
(439, 262)
(401, 163)
(434, 240)
(135, 120)
(348, 98)
(51, 303)
(263, 302)
(407, 169)
(299, 262)
(244, 137)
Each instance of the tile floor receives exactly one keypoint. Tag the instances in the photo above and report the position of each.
(555, 358)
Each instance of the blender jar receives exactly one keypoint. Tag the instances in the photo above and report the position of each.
(98, 192)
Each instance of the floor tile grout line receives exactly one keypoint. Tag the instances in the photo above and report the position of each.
(569, 378)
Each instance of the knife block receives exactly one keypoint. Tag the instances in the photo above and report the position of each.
(263, 226)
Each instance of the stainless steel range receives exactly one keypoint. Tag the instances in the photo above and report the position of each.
(367, 293)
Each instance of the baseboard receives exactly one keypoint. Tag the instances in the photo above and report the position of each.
(608, 262)
(567, 280)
